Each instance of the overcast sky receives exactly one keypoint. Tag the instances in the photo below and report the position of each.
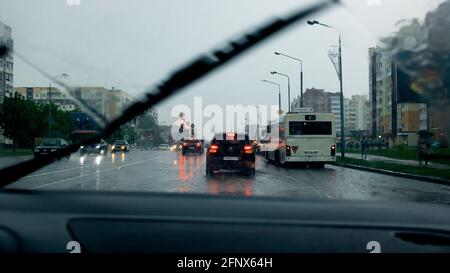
(133, 44)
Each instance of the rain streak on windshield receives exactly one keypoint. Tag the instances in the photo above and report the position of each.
(340, 105)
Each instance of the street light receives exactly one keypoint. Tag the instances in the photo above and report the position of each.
(49, 102)
(301, 73)
(314, 22)
(279, 93)
(289, 88)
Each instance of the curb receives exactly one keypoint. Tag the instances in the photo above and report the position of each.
(398, 174)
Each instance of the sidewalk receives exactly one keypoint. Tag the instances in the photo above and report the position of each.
(398, 161)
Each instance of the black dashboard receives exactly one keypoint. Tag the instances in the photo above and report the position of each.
(116, 222)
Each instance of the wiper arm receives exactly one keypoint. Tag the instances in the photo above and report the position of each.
(190, 73)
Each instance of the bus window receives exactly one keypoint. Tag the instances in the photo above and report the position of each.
(310, 128)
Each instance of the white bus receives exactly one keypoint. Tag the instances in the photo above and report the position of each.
(301, 137)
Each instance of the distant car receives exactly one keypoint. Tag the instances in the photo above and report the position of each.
(163, 147)
(48, 146)
(120, 146)
(193, 146)
(97, 148)
(230, 151)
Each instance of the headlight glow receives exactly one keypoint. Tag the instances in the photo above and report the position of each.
(98, 160)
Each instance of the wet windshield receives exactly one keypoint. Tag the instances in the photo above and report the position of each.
(51, 142)
(358, 87)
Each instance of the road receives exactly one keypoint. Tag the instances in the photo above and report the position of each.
(164, 171)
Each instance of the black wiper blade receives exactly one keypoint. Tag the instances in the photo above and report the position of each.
(185, 76)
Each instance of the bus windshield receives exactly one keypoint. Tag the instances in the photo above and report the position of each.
(310, 128)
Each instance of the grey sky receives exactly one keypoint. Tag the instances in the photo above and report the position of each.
(134, 44)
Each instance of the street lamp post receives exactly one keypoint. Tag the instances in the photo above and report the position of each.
(50, 101)
(340, 84)
(301, 73)
(279, 93)
(289, 88)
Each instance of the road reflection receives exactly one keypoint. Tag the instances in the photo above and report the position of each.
(231, 183)
(189, 166)
(118, 160)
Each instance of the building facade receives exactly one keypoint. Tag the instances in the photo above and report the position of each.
(41, 95)
(6, 62)
(330, 102)
(397, 122)
(107, 102)
(357, 113)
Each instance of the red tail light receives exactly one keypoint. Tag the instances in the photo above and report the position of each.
(184, 144)
(213, 149)
(333, 150)
(197, 145)
(248, 149)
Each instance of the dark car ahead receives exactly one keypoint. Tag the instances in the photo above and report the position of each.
(193, 146)
(230, 151)
(97, 148)
(48, 146)
(120, 146)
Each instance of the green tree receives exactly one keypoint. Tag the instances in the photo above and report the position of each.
(147, 125)
(19, 119)
(23, 120)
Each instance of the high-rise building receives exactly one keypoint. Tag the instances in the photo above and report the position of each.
(6, 62)
(389, 119)
(326, 102)
(6, 70)
(357, 113)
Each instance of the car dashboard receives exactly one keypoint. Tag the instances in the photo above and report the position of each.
(120, 222)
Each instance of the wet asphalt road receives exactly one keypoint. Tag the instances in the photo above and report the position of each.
(164, 171)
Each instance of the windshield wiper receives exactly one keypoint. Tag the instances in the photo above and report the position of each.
(181, 78)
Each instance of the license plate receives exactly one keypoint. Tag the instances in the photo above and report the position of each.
(231, 158)
(191, 148)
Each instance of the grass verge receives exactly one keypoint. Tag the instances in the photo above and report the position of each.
(417, 170)
(405, 154)
(18, 152)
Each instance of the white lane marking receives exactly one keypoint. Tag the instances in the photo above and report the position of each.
(91, 173)
(58, 171)
(52, 172)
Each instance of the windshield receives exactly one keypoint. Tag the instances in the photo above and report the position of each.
(366, 81)
(51, 142)
(310, 128)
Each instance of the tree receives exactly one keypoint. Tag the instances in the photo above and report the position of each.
(23, 120)
(19, 119)
(148, 129)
